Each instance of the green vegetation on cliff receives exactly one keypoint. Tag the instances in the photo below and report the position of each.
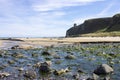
(97, 27)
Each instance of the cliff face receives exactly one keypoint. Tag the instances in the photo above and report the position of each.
(94, 25)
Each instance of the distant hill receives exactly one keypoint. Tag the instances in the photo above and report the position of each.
(109, 26)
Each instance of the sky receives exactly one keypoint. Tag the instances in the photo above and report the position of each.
(50, 18)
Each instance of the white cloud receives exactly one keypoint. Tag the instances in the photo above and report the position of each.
(104, 11)
(49, 5)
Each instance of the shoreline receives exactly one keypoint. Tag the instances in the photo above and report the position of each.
(27, 43)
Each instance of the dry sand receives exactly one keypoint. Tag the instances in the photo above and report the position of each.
(37, 42)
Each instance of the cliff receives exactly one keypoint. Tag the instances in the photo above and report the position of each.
(108, 24)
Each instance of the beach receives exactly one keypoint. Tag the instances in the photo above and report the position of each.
(38, 42)
(59, 58)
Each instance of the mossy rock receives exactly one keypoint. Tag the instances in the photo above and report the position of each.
(70, 57)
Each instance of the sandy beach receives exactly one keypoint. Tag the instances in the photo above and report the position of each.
(37, 42)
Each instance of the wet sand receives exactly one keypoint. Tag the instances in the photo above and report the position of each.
(38, 42)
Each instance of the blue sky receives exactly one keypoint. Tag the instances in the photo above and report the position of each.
(47, 18)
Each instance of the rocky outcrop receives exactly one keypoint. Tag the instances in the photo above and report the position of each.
(115, 23)
(94, 25)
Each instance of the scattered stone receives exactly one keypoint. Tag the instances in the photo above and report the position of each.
(95, 77)
(3, 66)
(15, 47)
(89, 79)
(34, 55)
(29, 64)
(20, 69)
(58, 62)
(76, 76)
(18, 55)
(70, 57)
(46, 53)
(37, 65)
(48, 58)
(103, 69)
(80, 71)
(11, 62)
(59, 72)
(4, 74)
(30, 74)
(45, 67)
(107, 78)
(56, 56)
(49, 63)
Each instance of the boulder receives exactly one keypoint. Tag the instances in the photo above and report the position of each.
(103, 70)
(45, 67)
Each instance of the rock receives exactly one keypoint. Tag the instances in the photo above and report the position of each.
(103, 70)
(80, 71)
(58, 62)
(76, 76)
(59, 72)
(35, 55)
(70, 57)
(89, 79)
(45, 67)
(11, 62)
(37, 65)
(46, 53)
(107, 78)
(30, 74)
(18, 55)
(15, 47)
(4, 74)
(56, 56)
(20, 69)
(49, 63)
(95, 77)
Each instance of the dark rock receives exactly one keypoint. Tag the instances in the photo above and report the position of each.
(103, 70)
(46, 53)
(15, 47)
(76, 76)
(90, 79)
(45, 67)
(80, 71)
